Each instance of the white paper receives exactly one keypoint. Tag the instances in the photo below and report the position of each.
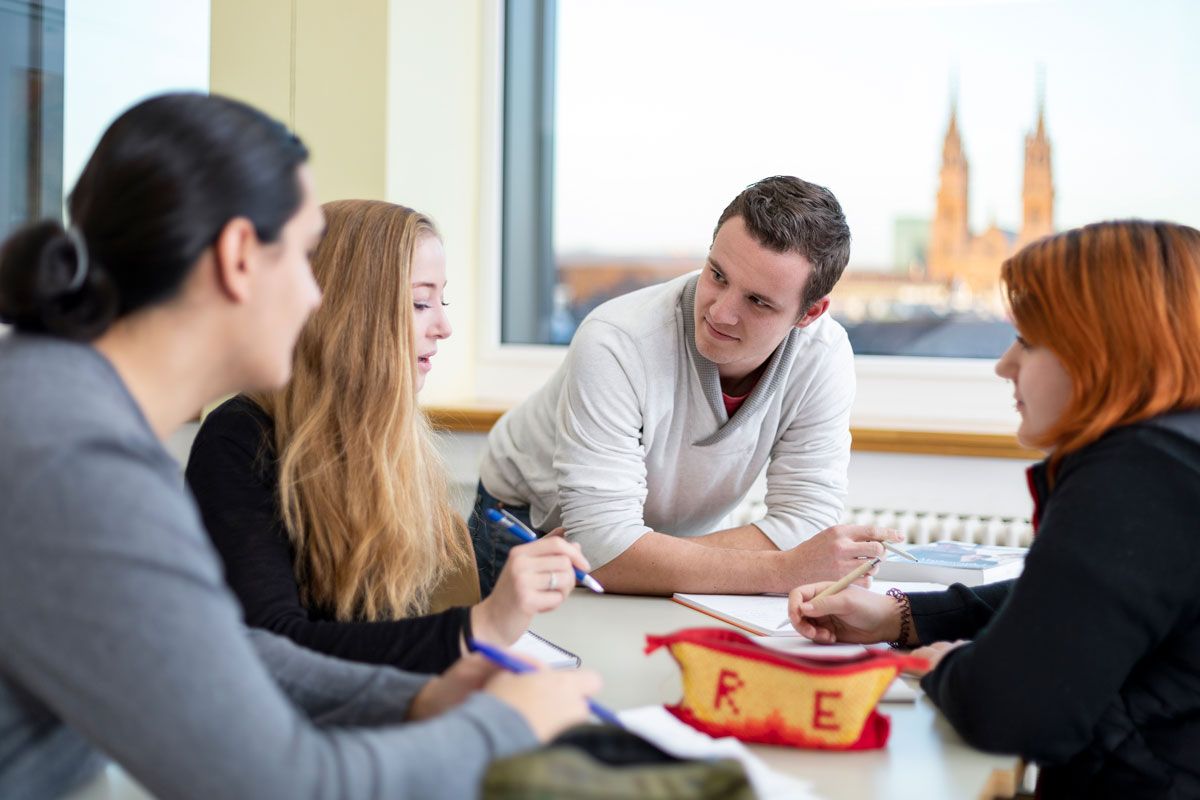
(908, 587)
(551, 655)
(761, 613)
(766, 614)
(659, 726)
(807, 648)
(900, 691)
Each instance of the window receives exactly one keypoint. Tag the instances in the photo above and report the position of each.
(31, 94)
(952, 133)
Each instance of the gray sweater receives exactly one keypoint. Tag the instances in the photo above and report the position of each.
(631, 435)
(119, 636)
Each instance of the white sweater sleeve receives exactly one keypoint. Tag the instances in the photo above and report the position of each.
(599, 457)
(806, 477)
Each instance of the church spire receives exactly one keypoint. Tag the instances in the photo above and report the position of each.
(1041, 101)
(952, 149)
(1037, 195)
(950, 233)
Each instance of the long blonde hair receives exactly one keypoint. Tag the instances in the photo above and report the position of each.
(363, 493)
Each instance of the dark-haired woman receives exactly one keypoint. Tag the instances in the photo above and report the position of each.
(1089, 663)
(185, 276)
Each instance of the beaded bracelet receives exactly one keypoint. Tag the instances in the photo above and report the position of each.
(905, 617)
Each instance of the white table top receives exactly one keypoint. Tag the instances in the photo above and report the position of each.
(924, 758)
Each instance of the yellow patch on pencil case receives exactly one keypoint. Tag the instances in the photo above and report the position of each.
(734, 687)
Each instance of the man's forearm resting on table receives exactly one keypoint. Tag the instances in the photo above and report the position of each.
(745, 537)
(659, 564)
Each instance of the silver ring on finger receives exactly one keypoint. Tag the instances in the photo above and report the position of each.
(553, 582)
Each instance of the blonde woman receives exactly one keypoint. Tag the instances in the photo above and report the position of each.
(327, 500)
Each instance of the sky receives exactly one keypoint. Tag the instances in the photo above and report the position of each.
(665, 109)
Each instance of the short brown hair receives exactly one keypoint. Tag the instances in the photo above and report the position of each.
(789, 215)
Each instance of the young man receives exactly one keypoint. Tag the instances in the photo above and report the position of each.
(672, 399)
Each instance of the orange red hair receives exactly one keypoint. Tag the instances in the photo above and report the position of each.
(1119, 304)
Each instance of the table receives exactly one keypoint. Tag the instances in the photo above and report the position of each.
(924, 758)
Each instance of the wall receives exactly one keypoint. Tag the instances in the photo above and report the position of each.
(389, 96)
(321, 67)
(441, 126)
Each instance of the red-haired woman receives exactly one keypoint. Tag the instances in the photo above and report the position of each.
(1089, 663)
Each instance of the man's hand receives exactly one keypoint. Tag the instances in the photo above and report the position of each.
(837, 551)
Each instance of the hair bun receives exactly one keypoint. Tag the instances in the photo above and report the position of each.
(47, 284)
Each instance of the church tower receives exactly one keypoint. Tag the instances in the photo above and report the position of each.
(1038, 194)
(950, 234)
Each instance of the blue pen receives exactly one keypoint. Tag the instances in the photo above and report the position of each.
(498, 656)
(521, 531)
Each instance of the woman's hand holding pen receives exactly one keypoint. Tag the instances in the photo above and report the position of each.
(853, 615)
(537, 577)
(550, 701)
(443, 692)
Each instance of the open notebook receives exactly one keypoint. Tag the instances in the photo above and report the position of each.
(766, 614)
(545, 651)
(763, 615)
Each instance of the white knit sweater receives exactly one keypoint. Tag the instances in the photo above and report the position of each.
(631, 435)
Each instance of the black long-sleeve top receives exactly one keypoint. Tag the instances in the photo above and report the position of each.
(1089, 663)
(233, 473)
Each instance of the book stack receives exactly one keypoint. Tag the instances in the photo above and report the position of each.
(954, 562)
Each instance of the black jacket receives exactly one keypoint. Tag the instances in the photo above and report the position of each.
(1089, 663)
(234, 475)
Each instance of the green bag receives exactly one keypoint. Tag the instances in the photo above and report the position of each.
(603, 761)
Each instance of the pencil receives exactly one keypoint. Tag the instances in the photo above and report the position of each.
(837, 586)
(900, 552)
(855, 574)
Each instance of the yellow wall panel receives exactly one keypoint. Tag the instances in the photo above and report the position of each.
(341, 94)
(320, 66)
(252, 53)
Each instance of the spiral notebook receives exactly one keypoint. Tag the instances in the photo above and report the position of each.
(545, 651)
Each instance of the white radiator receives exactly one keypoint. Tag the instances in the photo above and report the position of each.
(921, 527)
